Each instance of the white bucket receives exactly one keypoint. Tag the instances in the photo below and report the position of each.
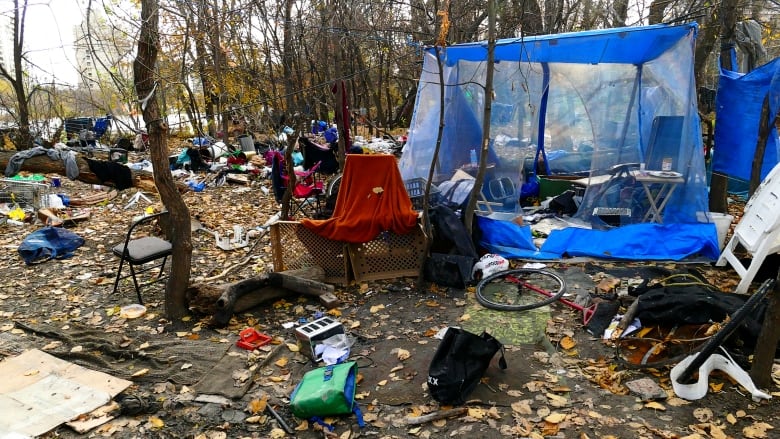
(214, 152)
(722, 222)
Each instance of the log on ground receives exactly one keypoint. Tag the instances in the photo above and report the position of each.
(248, 293)
(42, 164)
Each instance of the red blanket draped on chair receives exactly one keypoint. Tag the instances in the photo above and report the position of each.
(372, 198)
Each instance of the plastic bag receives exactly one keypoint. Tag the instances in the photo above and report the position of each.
(49, 243)
(489, 264)
(334, 349)
(698, 389)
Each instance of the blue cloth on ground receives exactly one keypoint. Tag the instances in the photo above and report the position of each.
(508, 239)
(648, 241)
(49, 243)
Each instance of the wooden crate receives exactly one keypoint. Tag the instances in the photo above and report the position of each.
(388, 256)
(295, 247)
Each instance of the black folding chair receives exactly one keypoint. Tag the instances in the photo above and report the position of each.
(141, 251)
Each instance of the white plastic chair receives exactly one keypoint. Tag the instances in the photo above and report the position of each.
(758, 232)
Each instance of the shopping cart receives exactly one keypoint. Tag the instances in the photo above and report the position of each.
(30, 196)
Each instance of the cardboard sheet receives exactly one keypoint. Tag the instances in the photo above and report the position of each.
(40, 392)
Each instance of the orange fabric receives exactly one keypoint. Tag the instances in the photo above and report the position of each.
(363, 210)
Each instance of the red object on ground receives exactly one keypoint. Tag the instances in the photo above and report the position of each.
(250, 339)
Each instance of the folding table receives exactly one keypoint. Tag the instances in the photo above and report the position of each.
(665, 184)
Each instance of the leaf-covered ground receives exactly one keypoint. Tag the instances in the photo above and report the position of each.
(566, 384)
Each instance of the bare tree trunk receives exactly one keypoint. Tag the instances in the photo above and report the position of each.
(16, 78)
(146, 86)
(656, 13)
(491, 48)
(728, 11)
(287, 55)
(764, 355)
(205, 78)
(705, 42)
(765, 124)
(531, 20)
(620, 13)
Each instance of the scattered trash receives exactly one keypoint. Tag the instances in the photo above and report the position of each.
(132, 311)
(698, 389)
(238, 239)
(250, 339)
(646, 389)
(197, 187)
(134, 199)
(310, 334)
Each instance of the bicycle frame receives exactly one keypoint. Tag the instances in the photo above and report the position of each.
(587, 312)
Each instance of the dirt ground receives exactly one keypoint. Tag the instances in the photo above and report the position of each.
(564, 384)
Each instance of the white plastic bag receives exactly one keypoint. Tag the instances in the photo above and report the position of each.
(489, 264)
(334, 349)
(698, 389)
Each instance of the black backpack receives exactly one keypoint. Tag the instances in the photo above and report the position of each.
(459, 363)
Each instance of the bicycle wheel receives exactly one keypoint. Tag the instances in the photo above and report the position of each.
(332, 190)
(520, 289)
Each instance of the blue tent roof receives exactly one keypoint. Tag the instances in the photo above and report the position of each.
(628, 45)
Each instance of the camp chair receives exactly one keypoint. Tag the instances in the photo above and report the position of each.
(502, 190)
(456, 193)
(141, 251)
(307, 191)
(102, 124)
(758, 232)
(324, 154)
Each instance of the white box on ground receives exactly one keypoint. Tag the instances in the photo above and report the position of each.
(311, 333)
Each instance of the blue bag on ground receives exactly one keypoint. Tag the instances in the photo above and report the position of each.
(49, 243)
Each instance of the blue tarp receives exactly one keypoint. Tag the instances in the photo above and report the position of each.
(632, 242)
(628, 45)
(738, 102)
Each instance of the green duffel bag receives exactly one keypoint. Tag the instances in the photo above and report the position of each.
(326, 391)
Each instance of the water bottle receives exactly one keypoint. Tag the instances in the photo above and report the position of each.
(473, 158)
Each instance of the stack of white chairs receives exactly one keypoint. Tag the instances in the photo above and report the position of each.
(758, 232)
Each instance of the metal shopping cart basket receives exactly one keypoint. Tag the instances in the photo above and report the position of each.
(27, 195)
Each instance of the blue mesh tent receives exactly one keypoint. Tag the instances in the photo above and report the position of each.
(582, 103)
